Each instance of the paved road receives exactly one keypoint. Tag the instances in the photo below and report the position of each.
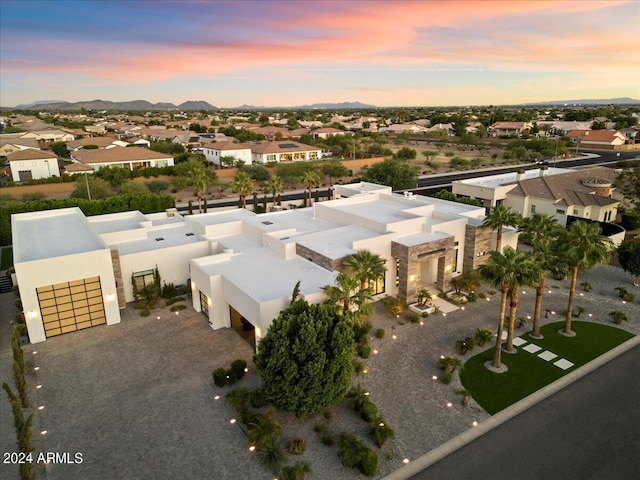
(589, 431)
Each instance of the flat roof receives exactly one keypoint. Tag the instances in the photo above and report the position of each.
(271, 277)
(337, 242)
(116, 222)
(420, 238)
(159, 238)
(52, 233)
(493, 181)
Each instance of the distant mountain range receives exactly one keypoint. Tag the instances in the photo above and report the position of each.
(98, 105)
(584, 101)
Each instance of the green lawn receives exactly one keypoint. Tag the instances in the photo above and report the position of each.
(527, 373)
(7, 258)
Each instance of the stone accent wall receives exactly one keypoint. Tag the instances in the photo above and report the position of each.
(317, 258)
(410, 258)
(477, 239)
(117, 272)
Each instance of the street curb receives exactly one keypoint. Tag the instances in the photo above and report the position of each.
(466, 437)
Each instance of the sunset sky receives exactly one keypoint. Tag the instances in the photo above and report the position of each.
(286, 53)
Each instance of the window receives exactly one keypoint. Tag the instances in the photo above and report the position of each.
(575, 211)
(533, 209)
(271, 157)
(143, 279)
(560, 212)
(377, 286)
(397, 273)
(454, 268)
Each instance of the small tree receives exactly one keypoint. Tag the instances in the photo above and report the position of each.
(618, 317)
(629, 257)
(305, 359)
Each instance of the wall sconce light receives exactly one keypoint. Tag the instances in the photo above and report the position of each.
(32, 314)
(412, 278)
(209, 301)
(110, 297)
(448, 268)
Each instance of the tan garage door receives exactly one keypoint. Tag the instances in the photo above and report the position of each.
(70, 306)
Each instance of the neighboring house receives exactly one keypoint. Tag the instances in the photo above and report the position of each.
(187, 139)
(584, 193)
(100, 142)
(270, 132)
(33, 164)
(559, 127)
(49, 136)
(133, 158)
(74, 168)
(96, 129)
(492, 189)
(507, 129)
(597, 138)
(284, 151)
(403, 127)
(11, 142)
(75, 272)
(328, 132)
(213, 152)
(447, 128)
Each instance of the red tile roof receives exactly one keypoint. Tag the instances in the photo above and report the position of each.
(31, 154)
(118, 154)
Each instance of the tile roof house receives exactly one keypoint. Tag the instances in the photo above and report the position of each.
(506, 129)
(597, 137)
(52, 135)
(13, 142)
(33, 164)
(284, 151)
(328, 132)
(100, 142)
(128, 157)
(584, 193)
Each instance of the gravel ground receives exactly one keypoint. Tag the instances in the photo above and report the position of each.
(399, 378)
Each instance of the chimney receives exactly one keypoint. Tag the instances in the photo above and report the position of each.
(544, 171)
(520, 175)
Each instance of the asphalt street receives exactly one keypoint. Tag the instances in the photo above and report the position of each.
(588, 431)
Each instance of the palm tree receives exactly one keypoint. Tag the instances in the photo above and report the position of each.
(500, 271)
(311, 179)
(201, 178)
(366, 267)
(274, 186)
(498, 217)
(582, 247)
(539, 225)
(527, 273)
(243, 185)
(342, 292)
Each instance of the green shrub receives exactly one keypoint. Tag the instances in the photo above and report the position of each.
(232, 378)
(238, 367)
(177, 307)
(257, 398)
(465, 345)
(621, 291)
(483, 336)
(380, 333)
(350, 450)
(521, 322)
(145, 313)
(464, 396)
(296, 446)
(319, 428)
(263, 429)
(237, 399)
(382, 432)
(358, 367)
(220, 377)
(327, 414)
(446, 378)
(357, 397)
(271, 454)
(328, 439)
(450, 364)
(586, 286)
(140, 306)
(360, 332)
(368, 464)
(169, 291)
(413, 317)
(370, 411)
(629, 297)
(297, 471)
(618, 317)
(365, 351)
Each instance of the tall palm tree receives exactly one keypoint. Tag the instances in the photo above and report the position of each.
(526, 273)
(582, 247)
(201, 178)
(274, 186)
(311, 179)
(500, 271)
(243, 185)
(498, 217)
(342, 292)
(365, 266)
(539, 225)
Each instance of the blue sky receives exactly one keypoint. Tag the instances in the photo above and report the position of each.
(284, 53)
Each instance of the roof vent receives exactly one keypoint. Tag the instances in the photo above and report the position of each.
(189, 234)
(160, 239)
(267, 222)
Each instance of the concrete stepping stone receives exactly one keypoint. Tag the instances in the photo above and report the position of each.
(505, 334)
(563, 364)
(519, 341)
(547, 355)
(532, 348)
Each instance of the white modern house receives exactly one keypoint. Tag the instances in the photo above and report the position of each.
(284, 151)
(214, 152)
(33, 164)
(241, 266)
